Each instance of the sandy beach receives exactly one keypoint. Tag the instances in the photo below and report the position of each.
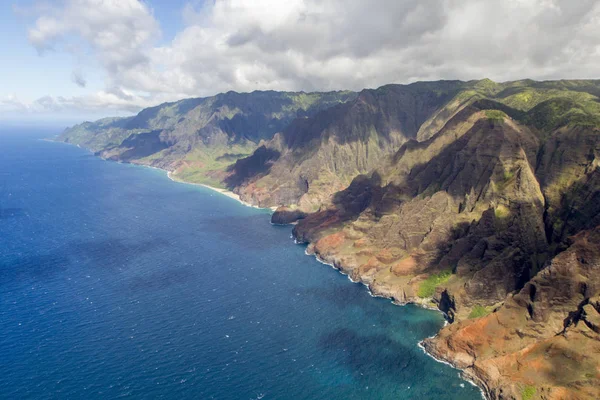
(224, 192)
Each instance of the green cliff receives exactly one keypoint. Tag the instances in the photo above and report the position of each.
(198, 138)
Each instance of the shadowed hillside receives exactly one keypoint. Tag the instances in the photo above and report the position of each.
(196, 138)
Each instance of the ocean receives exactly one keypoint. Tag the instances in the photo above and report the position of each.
(116, 282)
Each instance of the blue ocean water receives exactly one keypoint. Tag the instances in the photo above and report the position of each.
(117, 282)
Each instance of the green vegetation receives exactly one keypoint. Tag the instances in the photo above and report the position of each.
(507, 176)
(307, 101)
(199, 178)
(302, 100)
(204, 165)
(527, 98)
(501, 212)
(478, 312)
(427, 287)
(543, 105)
(229, 113)
(495, 116)
(559, 112)
(488, 86)
(550, 105)
(468, 95)
(528, 392)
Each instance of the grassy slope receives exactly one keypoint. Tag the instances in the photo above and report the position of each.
(204, 165)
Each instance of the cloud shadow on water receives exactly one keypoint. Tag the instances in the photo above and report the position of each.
(8, 213)
(34, 267)
(112, 254)
(368, 356)
(245, 227)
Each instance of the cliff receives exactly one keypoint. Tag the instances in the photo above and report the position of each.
(198, 138)
(478, 198)
(474, 220)
(313, 158)
(543, 342)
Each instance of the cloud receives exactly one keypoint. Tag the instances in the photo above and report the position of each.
(321, 45)
(12, 103)
(111, 101)
(118, 32)
(78, 79)
(314, 45)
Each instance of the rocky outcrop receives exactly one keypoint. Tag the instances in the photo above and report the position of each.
(544, 340)
(286, 215)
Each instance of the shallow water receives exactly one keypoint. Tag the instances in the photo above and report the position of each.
(117, 282)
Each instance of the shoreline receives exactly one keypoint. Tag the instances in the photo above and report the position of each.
(234, 196)
(462, 373)
(224, 192)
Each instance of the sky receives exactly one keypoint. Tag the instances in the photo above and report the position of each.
(86, 59)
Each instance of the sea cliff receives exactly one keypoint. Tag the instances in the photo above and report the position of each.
(477, 198)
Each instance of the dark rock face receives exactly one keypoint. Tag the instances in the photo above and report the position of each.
(285, 216)
(142, 145)
(447, 305)
(569, 172)
(259, 164)
(321, 155)
(591, 314)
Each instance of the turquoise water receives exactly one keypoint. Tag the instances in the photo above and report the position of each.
(117, 282)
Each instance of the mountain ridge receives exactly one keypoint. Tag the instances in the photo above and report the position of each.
(189, 137)
(456, 195)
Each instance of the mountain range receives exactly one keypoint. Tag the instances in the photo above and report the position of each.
(478, 198)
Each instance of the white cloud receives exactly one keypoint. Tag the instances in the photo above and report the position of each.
(12, 103)
(112, 101)
(119, 32)
(320, 45)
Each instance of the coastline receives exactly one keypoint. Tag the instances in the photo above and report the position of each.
(224, 192)
(463, 374)
(472, 380)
